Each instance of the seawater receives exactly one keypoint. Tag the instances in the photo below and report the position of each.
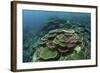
(33, 21)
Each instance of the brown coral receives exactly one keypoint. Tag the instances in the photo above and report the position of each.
(65, 39)
(60, 40)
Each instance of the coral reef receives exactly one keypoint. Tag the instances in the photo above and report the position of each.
(58, 40)
(56, 43)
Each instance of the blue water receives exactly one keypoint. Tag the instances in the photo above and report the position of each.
(33, 21)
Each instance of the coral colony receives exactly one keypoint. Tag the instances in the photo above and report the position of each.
(60, 40)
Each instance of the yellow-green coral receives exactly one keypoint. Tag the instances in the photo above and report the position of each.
(46, 54)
